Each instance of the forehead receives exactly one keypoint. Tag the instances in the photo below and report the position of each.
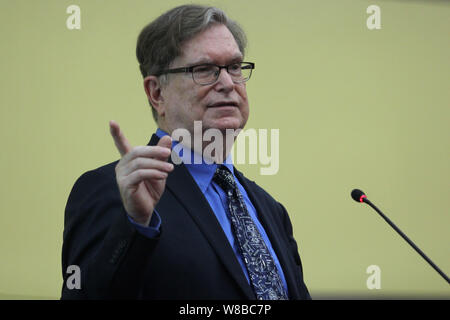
(215, 44)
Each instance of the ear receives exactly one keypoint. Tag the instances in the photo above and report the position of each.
(152, 88)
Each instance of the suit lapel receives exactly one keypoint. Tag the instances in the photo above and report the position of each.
(275, 238)
(186, 191)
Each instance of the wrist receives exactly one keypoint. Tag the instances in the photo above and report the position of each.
(145, 222)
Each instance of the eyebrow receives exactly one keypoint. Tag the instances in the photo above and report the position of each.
(236, 58)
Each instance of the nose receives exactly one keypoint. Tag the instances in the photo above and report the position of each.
(224, 81)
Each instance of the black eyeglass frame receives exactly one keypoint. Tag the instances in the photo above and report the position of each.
(250, 65)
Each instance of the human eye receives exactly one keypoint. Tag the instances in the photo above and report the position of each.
(204, 69)
(235, 68)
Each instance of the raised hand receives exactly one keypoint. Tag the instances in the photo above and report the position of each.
(141, 174)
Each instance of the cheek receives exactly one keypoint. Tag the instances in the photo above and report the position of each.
(196, 98)
(243, 95)
(241, 89)
(195, 103)
(200, 93)
(183, 101)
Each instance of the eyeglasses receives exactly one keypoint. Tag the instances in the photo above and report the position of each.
(204, 74)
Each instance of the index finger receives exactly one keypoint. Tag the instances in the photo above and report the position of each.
(120, 141)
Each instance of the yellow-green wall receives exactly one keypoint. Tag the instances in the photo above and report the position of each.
(355, 108)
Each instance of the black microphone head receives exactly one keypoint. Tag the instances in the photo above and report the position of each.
(357, 195)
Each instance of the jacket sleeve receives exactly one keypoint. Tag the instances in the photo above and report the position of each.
(293, 248)
(99, 238)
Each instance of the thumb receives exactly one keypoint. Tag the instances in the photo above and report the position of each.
(165, 142)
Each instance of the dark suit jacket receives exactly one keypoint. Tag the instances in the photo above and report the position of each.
(191, 258)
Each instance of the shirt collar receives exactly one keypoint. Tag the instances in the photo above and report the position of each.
(201, 172)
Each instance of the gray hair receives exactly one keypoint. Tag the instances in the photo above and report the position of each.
(159, 43)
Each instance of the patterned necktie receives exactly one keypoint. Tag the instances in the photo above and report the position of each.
(261, 268)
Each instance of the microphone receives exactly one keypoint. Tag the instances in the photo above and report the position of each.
(359, 196)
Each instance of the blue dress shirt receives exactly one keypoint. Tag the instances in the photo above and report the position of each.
(203, 174)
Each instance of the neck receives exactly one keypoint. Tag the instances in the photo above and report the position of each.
(213, 144)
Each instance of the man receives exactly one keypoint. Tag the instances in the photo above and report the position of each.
(149, 227)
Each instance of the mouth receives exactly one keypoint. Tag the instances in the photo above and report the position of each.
(223, 104)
